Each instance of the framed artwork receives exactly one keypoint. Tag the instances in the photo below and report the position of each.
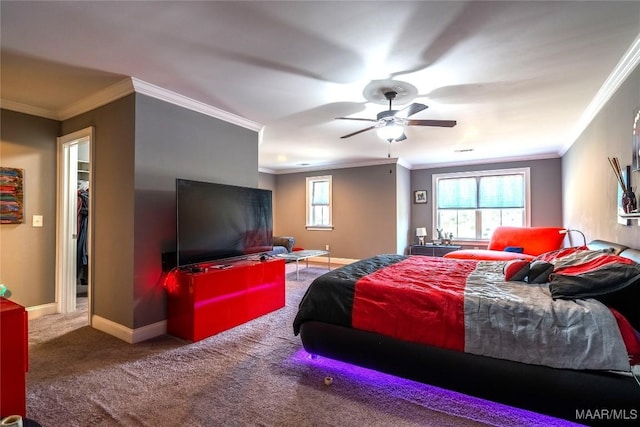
(420, 196)
(635, 155)
(11, 196)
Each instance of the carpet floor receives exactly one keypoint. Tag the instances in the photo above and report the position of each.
(256, 374)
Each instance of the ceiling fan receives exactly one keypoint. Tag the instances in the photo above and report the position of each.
(391, 123)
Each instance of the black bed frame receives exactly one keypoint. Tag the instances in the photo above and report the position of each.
(561, 393)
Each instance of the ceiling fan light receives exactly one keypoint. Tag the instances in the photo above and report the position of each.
(390, 131)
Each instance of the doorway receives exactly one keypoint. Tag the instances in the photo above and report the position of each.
(74, 221)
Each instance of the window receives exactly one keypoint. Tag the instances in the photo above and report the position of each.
(319, 202)
(471, 205)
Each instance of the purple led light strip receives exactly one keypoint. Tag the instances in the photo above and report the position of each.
(430, 397)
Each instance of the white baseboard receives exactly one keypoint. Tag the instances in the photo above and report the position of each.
(37, 311)
(149, 331)
(129, 335)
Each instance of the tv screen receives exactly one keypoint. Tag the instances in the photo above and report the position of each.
(218, 221)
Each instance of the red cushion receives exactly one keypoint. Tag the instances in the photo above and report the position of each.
(487, 255)
(533, 240)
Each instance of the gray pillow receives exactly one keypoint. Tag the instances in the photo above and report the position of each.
(539, 272)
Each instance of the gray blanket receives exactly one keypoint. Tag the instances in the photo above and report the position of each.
(521, 322)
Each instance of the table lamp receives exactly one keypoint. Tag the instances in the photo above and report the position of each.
(421, 232)
(568, 232)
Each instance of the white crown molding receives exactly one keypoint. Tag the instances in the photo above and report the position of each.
(409, 166)
(123, 88)
(543, 156)
(402, 162)
(28, 109)
(98, 99)
(191, 104)
(620, 73)
(103, 97)
(386, 161)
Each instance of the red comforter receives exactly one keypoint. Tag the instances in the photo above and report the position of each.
(392, 300)
(465, 305)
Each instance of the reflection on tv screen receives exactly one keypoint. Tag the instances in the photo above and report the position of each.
(218, 221)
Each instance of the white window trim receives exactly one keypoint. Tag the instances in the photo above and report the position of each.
(316, 227)
(527, 193)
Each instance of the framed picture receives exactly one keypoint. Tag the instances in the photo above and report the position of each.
(12, 211)
(635, 155)
(420, 196)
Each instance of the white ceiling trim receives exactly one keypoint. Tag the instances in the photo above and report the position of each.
(98, 99)
(623, 69)
(28, 109)
(191, 104)
(123, 88)
(487, 161)
(386, 161)
(103, 97)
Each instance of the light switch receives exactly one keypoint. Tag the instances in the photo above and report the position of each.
(37, 221)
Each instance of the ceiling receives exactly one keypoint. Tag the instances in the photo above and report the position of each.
(522, 79)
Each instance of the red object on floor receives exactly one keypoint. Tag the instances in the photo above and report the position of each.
(221, 296)
(14, 360)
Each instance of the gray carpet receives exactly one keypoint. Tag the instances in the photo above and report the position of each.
(253, 375)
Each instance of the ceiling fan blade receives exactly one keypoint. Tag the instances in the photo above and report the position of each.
(360, 131)
(401, 138)
(410, 110)
(438, 123)
(356, 118)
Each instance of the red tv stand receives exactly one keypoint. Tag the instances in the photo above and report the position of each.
(213, 297)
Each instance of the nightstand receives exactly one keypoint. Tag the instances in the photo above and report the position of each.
(432, 250)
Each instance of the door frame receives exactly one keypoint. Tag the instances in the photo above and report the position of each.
(66, 218)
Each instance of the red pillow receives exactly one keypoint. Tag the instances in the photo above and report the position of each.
(516, 270)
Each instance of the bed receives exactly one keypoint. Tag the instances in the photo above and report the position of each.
(556, 335)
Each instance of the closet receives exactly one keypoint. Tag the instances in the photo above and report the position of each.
(82, 258)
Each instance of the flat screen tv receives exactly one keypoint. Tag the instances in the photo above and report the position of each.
(218, 221)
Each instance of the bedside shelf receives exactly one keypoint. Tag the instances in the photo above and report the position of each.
(630, 215)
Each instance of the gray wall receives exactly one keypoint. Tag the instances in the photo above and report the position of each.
(267, 181)
(374, 210)
(173, 142)
(364, 211)
(589, 185)
(147, 142)
(27, 254)
(112, 195)
(404, 198)
(546, 191)
(141, 146)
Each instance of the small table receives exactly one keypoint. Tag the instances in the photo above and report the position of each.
(297, 256)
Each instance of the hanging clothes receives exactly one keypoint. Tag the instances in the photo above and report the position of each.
(82, 262)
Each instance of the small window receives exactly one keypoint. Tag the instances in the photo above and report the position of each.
(471, 205)
(319, 202)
